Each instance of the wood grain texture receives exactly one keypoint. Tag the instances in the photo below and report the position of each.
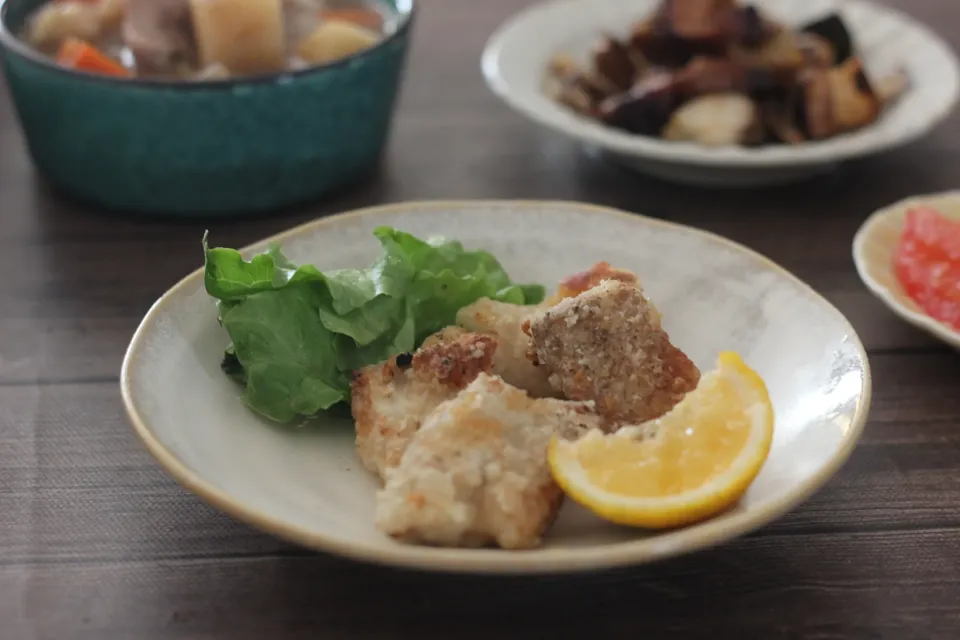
(97, 542)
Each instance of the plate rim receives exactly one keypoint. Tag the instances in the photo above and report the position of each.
(856, 144)
(891, 298)
(494, 561)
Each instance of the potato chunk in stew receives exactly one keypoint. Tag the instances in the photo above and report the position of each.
(201, 40)
(245, 36)
(335, 39)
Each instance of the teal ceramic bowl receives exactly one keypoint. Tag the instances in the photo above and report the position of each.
(205, 148)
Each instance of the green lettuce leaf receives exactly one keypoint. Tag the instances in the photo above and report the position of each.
(297, 333)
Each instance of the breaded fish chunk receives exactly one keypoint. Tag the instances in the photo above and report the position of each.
(607, 345)
(476, 472)
(389, 400)
(510, 362)
(505, 320)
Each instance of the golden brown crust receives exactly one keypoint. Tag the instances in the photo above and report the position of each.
(477, 473)
(607, 345)
(455, 364)
(389, 400)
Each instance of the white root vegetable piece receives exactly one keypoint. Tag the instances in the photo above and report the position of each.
(246, 36)
(838, 99)
(58, 21)
(335, 39)
(720, 119)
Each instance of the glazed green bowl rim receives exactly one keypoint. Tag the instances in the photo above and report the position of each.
(405, 11)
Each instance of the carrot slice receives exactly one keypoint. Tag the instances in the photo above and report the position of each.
(83, 56)
(362, 17)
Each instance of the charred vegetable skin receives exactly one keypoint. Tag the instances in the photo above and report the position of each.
(764, 82)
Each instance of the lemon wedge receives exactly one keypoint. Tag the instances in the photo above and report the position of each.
(681, 468)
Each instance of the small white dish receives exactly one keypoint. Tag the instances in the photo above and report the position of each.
(306, 485)
(874, 247)
(516, 58)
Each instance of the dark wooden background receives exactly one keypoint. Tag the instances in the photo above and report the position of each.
(96, 542)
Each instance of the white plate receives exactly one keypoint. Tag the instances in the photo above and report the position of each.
(874, 246)
(308, 486)
(516, 58)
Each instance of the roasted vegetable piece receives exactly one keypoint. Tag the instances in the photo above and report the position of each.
(699, 20)
(573, 96)
(580, 91)
(654, 40)
(702, 76)
(781, 55)
(720, 119)
(646, 108)
(855, 103)
(837, 100)
(779, 118)
(611, 59)
(834, 30)
(750, 28)
(817, 51)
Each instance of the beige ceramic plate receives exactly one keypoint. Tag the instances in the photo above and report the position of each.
(873, 250)
(307, 485)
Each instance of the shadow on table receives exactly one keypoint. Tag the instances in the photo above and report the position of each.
(746, 585)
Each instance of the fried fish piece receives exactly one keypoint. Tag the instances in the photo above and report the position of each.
(476, 472)
(389, 400)
(607, 345)
(505, 321)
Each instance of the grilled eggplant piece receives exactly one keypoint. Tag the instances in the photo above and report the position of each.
(837, 100)
(653, 40)
(613, 61)
(721, 119)
(646, 108)
(579, 90)
(699, 20)
(781, 55)
(779, 118)
(702, 76)
(684, 29)
(834, 30)
(817, 51)
(750, 28)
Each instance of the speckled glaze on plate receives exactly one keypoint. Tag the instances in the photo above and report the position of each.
(307, 485)
(219, 148)
(874, 246)
(516, 57)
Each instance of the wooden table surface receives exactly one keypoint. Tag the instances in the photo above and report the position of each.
(96, 542)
